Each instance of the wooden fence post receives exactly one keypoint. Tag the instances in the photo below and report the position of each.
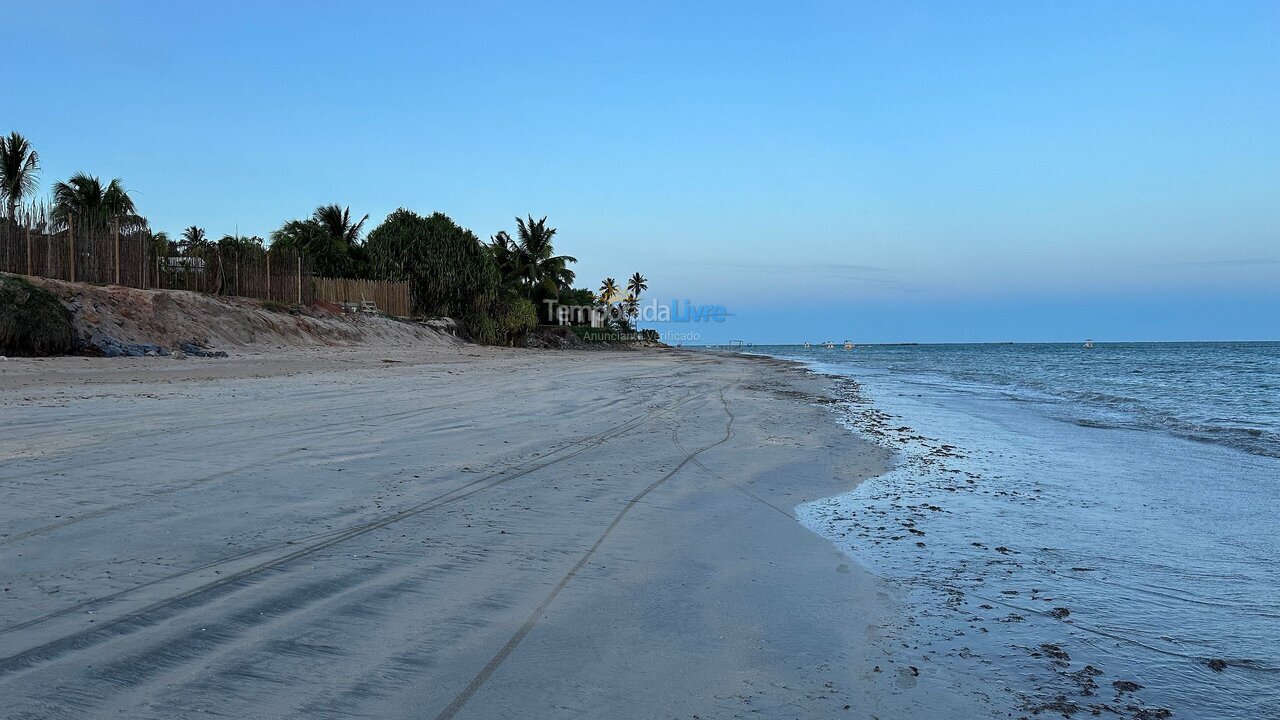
(71, 246)
(116, 234)
(299, 278)
(268, 274)
(29, 267)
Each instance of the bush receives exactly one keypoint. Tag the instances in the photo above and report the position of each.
(32, 321)
(505, 321)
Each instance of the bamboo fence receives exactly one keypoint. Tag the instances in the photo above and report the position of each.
(102, 252)
(93, 250)
(391, 298)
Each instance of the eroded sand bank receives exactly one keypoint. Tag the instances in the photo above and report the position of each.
(465, 533)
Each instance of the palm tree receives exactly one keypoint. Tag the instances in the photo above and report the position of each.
(83, 196)
(329, 238)
(193, 240)
(336, 222)
(542, 272)
(19, 168)
(506, 255)
(608, 291)
(637, 284)
(161, 244)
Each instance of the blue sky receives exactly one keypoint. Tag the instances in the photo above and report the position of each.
(892, 171)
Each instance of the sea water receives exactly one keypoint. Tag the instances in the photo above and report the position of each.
(1093, 530)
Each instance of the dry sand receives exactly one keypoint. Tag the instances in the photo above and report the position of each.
(468, 532)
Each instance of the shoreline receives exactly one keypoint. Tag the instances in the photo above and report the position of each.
(1008, 527)
(470, 533)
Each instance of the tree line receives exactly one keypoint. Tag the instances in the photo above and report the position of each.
(495, 289)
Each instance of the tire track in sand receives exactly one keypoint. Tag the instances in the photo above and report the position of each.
(194, 597)
(487, 671)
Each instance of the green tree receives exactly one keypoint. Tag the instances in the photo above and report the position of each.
(505, 320)
(506, 255)
(544, 272)
(337, 223)
(235, 252)
(87, 199)
(608, 291)
(192, 240)
(19, 171)
(329, 238)
(636, 285)
(161, 245)
(576, 298)
(450, 272)
(243, 244)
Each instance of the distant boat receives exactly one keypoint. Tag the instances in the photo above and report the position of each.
(1088, 344)
(829, 345)
(848, 344)
(806, 346)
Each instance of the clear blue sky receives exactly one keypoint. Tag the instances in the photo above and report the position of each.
(891, 171)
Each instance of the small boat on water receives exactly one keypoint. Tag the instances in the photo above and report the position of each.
(829, 345)
(806, 346)
(848, 345)
(1088, 344)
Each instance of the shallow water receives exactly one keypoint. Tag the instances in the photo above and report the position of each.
(1068, 521)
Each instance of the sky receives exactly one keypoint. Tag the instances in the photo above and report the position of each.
(876, 171)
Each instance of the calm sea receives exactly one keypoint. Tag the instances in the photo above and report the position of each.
(1095, 530)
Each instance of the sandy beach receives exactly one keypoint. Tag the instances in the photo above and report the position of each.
(454, 532)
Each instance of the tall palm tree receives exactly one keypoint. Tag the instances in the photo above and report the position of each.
(542, 272)
(636, 285)
(608, 291)
(19, 170)
(84, 196)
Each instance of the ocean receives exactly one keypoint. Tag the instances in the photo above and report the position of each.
(1092, 530)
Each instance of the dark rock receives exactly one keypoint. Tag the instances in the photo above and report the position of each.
(1055, 651)
(1084, 678)
(1059, 704)
(193, 350)
(1124, 686)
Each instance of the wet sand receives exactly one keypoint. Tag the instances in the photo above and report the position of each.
(462, 532)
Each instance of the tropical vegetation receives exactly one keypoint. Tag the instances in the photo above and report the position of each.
(32, 321)
(84, 197)
(19, 171)
(330, 238)
(495, 289)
